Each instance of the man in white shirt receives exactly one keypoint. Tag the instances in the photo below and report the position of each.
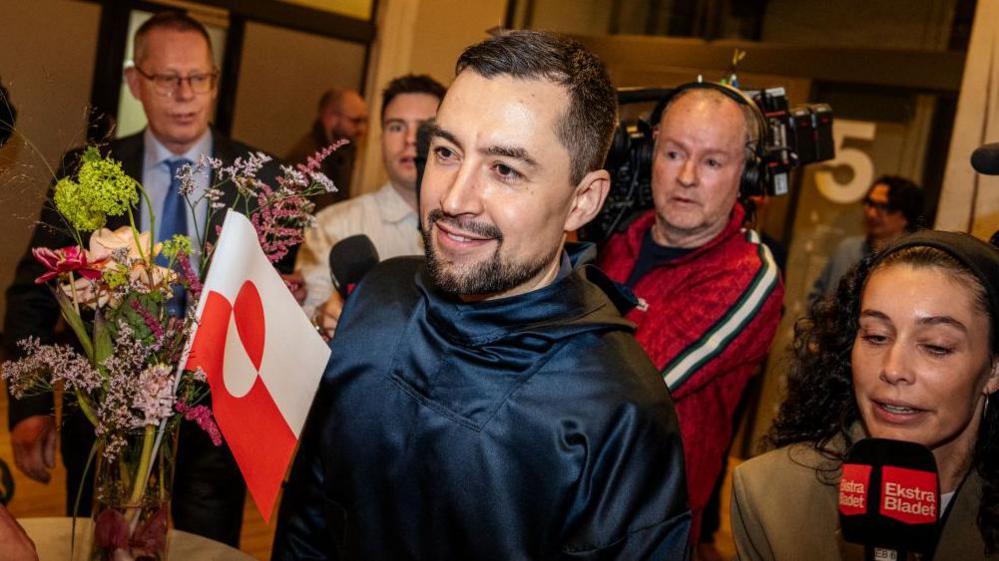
(388, 216)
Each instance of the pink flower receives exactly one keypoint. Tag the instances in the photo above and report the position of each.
(86, 293)
(193, 283)
(66, 260)
(315, 161)
(203, 417)
(154, 278)
(154, 397)
(151, 322)
(103, 242)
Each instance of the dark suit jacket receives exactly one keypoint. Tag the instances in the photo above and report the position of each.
(783, 511)
(31, 308)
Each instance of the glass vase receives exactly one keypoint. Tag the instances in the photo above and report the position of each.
(132, 489)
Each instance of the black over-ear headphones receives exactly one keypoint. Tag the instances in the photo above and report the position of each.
(751, 182)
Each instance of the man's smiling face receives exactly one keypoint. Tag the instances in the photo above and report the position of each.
(497, 197)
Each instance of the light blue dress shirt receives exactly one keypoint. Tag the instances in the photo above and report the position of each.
(156, 182)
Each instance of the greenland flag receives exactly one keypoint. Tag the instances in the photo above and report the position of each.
(262, 356)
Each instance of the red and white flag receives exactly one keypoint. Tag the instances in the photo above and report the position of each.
(262, 356)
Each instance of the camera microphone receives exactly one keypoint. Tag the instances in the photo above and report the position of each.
(985, 159)
(350, 259)
(889, 498)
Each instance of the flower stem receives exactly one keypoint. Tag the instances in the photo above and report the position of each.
(141, 475)
(72, 288)
(152, 219)
(138, 243)
(142, 254)
(85, 407)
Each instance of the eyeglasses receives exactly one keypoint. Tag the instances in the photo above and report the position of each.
(883, 208)
(167, 84)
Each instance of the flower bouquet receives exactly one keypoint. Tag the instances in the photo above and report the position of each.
(114, 290)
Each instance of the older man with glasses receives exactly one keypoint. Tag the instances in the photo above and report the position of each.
(174, 78)
(893, 206)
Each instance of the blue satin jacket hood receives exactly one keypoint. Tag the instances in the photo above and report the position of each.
(528, 427)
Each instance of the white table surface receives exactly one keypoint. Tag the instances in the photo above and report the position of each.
(51, 537)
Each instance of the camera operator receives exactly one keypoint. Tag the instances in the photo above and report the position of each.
(710, 293)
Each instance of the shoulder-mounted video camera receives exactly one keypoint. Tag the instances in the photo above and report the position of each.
(788, 138)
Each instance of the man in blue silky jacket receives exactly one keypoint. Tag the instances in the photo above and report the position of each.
(489, 401)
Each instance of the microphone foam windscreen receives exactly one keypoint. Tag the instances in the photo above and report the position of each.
(889, 495)
(350, 259)
(985, 159)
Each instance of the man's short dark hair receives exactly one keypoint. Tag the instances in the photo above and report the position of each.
(172, 20)
(588, 124)
(412, 84)
(906, 197)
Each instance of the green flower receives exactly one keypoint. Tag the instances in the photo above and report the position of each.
(68, 201)
(101, 189)
(105, 186)
(176, 245)
(116, 276)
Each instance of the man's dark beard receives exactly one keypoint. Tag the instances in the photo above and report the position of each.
(491, 277)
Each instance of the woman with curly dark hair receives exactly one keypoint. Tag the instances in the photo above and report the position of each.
(907, 349)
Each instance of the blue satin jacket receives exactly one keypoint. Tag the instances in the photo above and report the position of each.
(529, 427)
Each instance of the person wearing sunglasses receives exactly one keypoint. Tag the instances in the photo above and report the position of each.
(893, 206)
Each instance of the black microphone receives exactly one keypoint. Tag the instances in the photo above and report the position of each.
(350, 259)
(889, 498)
(423, 138)
(985, 159)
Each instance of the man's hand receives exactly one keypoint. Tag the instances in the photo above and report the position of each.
(15, 545)
(33, 440)
(296, 284)
(328, 315)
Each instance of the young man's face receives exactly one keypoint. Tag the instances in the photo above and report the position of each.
(177, 116)
(496, 198)
(403, 117)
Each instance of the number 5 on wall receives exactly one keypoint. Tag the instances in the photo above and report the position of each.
(855, 159)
